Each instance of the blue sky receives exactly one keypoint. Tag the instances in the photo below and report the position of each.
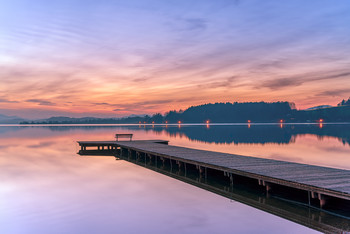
(115, 58)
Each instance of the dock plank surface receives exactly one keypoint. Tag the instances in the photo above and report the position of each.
(335, 182)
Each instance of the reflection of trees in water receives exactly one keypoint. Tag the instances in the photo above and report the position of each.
(222, 134)
(236, 134)
(256, 134)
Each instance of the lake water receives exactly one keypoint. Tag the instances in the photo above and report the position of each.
(47, 188)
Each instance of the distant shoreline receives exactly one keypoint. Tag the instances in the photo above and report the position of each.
(177, 124)
(221, 113)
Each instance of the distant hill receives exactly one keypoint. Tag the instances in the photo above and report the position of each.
(234, 112)
(84, 120)
(331, 114)
(319, 107)
(5, 119)
(258, 112)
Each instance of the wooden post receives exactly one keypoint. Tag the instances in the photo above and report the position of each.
(205, 174)
(268, 187)
(322, 200)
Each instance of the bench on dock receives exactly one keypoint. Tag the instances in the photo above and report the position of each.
(117, 136)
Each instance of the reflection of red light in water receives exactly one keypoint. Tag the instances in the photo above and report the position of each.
(248, 125)
(281, 125)
(321, 125)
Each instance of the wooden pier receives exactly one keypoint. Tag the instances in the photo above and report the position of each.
(314, 186)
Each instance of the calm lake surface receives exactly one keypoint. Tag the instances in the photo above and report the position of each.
(47, 188)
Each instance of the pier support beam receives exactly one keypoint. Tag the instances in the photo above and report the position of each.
(322, 200)
(267, 185)
(163, 162)
(230, 176)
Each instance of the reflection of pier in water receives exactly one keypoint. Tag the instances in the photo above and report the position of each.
(239, 188)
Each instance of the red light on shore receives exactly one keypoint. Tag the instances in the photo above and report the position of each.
(321, 120)
(281, 121)
(153, 122)
(166, 122)
(144, 122)
(249, 121)
(139, 122)
(179, 122)
(207, 121)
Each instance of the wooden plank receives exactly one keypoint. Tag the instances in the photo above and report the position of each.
(329, 181)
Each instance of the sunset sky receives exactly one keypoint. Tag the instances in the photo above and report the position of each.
(115, 58)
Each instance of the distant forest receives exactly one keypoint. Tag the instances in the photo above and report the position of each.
(259, 112)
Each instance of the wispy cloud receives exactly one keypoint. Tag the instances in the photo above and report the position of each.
(281, 83)
(195, 24)
(41, 102)
(302, 78)
(157, 56)
(341, 93)
(4, 100)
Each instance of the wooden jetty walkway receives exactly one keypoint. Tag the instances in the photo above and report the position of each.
(315, 186)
